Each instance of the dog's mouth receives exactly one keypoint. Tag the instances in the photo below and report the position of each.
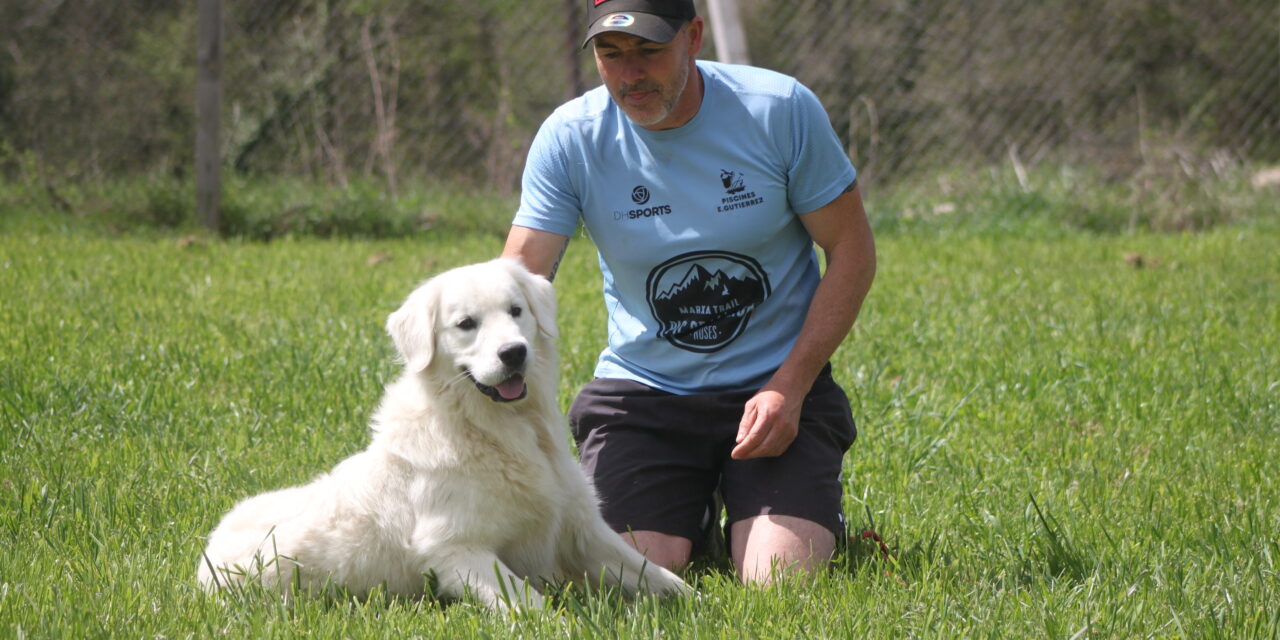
(510, 390)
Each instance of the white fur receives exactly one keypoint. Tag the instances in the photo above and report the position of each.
(481, 495)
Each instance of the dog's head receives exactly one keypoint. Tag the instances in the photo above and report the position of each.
(490, 324)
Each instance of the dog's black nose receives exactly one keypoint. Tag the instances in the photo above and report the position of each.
(513, 354)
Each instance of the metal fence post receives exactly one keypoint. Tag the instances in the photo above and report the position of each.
(208, 113)
(727, 32)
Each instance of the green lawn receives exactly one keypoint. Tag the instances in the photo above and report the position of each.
(1054, 441)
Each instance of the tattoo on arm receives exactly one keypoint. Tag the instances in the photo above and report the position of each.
(551, 277)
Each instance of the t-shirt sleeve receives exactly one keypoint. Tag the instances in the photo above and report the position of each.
(548, 200)
(819, 170)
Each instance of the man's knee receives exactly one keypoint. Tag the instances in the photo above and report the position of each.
(665, 550)
(763, 546)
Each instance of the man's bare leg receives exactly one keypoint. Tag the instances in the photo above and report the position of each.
(665, 550)
(786, 544)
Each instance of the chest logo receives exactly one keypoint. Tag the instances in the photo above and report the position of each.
(733, 181)
(736, 194)
(703, 300)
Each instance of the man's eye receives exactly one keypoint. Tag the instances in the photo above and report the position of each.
(467, 324)
(516, 311)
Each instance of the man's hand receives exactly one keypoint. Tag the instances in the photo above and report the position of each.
(769, 425)
(771, 419)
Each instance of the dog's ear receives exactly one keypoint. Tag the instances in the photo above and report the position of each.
(412, 329)
(541, 296)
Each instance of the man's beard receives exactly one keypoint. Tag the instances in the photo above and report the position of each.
(664, 108)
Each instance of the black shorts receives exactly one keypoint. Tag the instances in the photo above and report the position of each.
(656, 458)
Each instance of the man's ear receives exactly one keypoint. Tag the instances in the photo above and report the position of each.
(412, 328)
(696, 32)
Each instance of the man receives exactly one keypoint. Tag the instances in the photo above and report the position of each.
(704, 187)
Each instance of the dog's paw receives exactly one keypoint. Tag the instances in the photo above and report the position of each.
(666, 583)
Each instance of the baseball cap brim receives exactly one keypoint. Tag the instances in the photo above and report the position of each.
(651, 27)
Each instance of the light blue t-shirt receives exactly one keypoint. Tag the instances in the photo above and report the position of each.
(708, 272)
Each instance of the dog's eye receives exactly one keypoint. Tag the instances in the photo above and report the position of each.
(516, 311)
(467, 324)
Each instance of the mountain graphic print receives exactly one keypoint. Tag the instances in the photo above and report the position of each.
(703, 300)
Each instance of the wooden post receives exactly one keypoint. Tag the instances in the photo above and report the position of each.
(208, 113)
(727, 32)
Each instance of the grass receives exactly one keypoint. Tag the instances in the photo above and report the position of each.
(1054, 440)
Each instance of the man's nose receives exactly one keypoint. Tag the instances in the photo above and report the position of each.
(633, 69)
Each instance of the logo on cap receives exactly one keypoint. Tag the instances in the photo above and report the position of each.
(619, 20)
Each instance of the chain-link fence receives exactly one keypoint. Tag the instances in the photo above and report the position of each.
(452, 90)
(916, 84)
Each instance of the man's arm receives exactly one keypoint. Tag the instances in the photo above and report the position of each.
(540, 251)
(772, 417)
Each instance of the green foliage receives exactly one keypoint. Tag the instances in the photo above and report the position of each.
(263, 210)
(99, 88)
(441, 91)
(1052, 200)
(1174, 195)
(399, 91)
(251, 209)
(1055, 441)
(914, 86)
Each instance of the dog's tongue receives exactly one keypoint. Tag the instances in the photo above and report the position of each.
(512, 388)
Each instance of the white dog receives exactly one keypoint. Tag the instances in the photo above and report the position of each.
(467, 484)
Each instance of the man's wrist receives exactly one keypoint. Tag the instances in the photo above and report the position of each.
(792, 381)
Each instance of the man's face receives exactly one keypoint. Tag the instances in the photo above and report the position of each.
(647, 79)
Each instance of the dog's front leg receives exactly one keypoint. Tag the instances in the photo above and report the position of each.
(484, 577)
(601, 549)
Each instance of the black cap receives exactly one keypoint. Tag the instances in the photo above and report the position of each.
(653, 20)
